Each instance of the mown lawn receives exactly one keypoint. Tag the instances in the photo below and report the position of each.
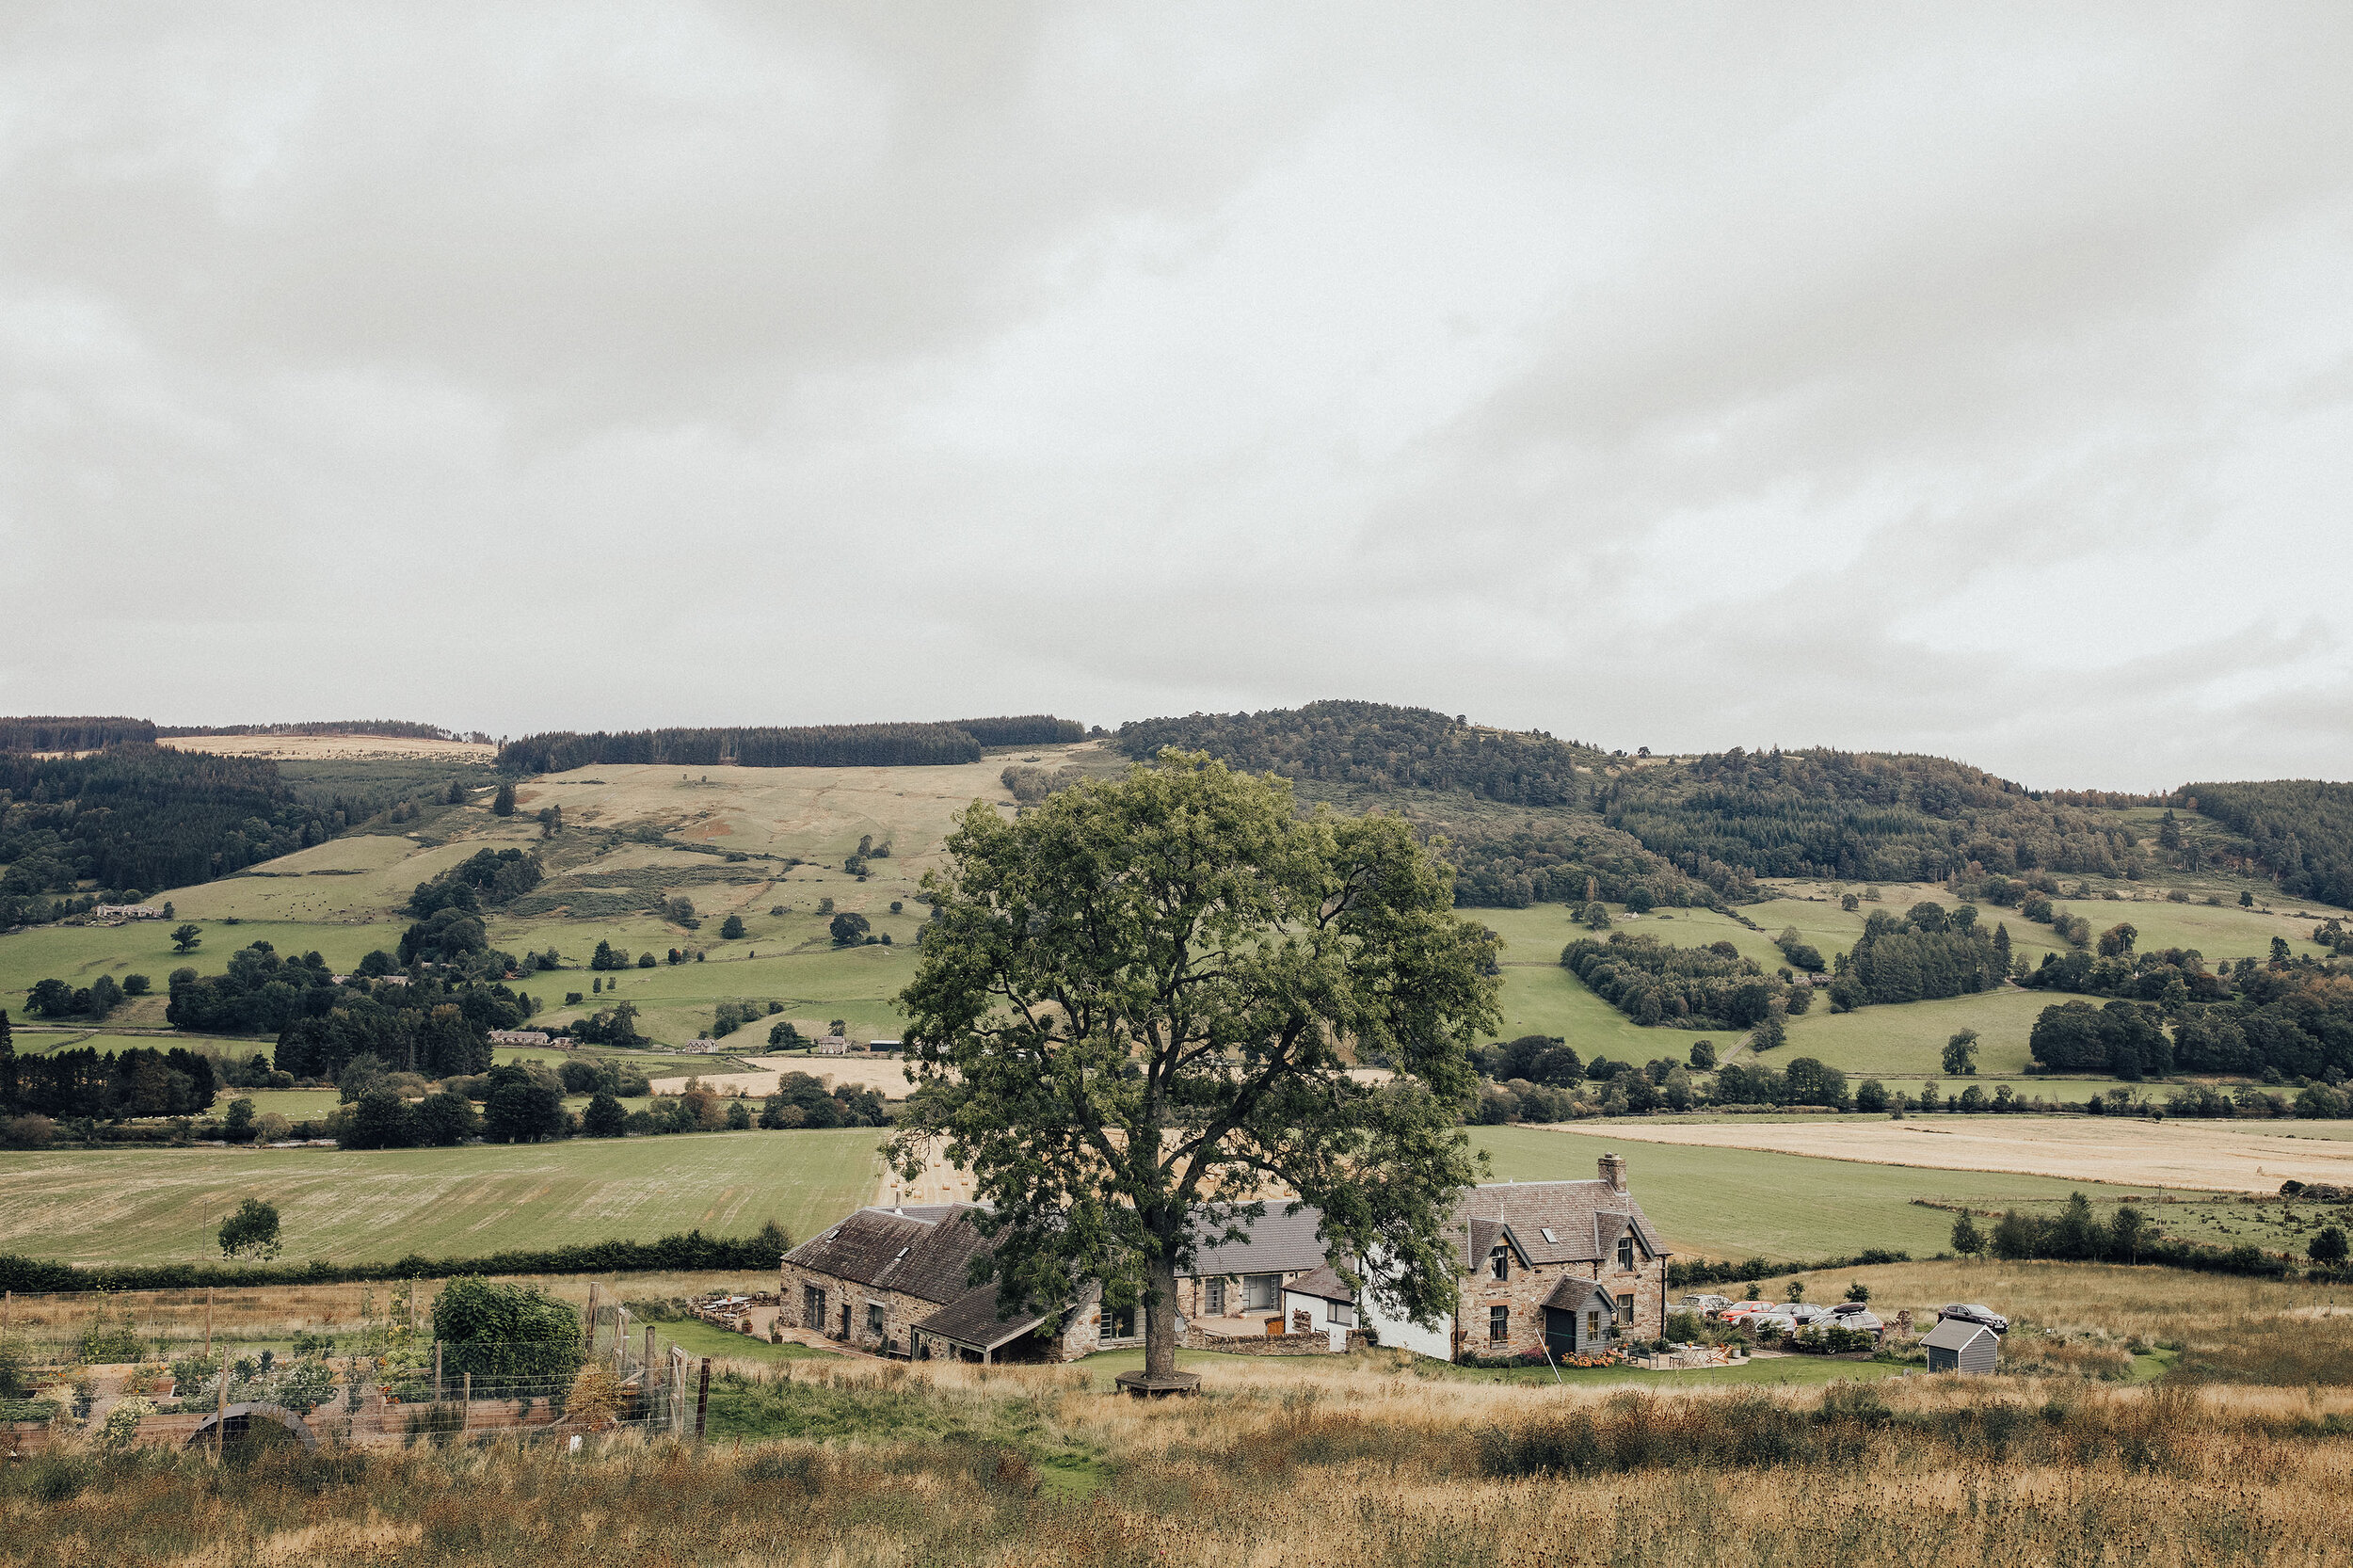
(164, 1204)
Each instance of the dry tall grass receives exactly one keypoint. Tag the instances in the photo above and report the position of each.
(1355, 1465)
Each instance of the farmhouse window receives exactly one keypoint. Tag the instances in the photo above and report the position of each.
(1343, 1312)
(1259, 1292)
(1593, 1325)
(1122, 1323)
(874, 1318)
(1499, 1324)
(1626, 1252)
(1213, 1302)
(812, 1308)
(1625, 1309)
(1499, 1262)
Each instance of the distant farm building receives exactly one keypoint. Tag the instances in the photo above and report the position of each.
(519, 1037)
(832, 1044)
(126, 912)
(702, 1046)
(884, 1045)
(1957, 1344)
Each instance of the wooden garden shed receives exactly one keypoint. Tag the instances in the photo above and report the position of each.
(1957, 1344)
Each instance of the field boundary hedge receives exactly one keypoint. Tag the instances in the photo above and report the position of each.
(688, 1253)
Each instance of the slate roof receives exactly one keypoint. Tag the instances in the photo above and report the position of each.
(1551, 1222)
(971, 1320)
(1279, 1243)
(1953, 1334)
(1570, 1294)
(1323, 1284)
(923, 1250)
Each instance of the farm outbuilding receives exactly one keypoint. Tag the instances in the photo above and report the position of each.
(1957, 1344)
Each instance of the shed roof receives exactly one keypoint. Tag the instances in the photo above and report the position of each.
(971, 1320)
(1954, 1334)
(1323, 1284)
(1570, 1294)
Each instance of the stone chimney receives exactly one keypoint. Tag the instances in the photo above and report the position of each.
(1613, 1171)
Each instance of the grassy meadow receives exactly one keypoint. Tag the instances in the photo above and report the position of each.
(160, 1205)
(1749, 1203)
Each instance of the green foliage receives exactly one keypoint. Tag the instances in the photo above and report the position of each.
(506, 1333)
(1377, 746)
(849, 929)
(832, 746)
(2300, 830)
(251, 1231)
(731, 929)
(1652, 982)
(1926, 955)
(1961, 1054)
(2328, 1247)
(1181, 947)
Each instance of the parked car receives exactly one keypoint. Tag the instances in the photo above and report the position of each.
(1706, 1303)
(1847, 1309)
(1740, 1312)
(1969, 1312)
(1804, 1312)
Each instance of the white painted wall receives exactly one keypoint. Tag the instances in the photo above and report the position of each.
(1402, 1333)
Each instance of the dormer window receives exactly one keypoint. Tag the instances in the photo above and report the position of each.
(1626, 1252)
(1499, 1262)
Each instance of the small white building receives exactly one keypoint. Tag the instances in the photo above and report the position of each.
(832, 1044)
(1327, 1302)
(701, 1047)
(519, 1037)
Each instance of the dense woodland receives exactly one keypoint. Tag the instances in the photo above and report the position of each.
(2301, 830)
(73, 734)
(81, 1083)
(826, 746)
(1567, 858)
(1858, 816)
(2288, 1019)
(1655, 983)
(1927, 954)
(144, 817)
(1372, 745)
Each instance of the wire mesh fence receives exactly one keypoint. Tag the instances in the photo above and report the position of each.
(125, 1372)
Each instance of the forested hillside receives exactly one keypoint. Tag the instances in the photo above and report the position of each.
(1374, 747)
(57, 734)
(1857, 815)
(143, 817)
(825, 745)
(2301, 830)
(402, 729)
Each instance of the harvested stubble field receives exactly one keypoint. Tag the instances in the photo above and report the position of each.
(160, 1205)
(314, 748)
(1356, 1463)
(2226, 1157)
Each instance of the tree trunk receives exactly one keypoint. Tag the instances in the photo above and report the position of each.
(1160, 1318)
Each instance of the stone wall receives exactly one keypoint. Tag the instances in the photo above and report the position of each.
(1317, 1343)
(901, 1311)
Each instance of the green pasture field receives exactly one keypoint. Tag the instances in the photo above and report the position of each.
(2271, 1223)
(296, 1104)
(80, 953)
(150, 1205)
(348, 881)
(1747, 1203)
(1907, 1039)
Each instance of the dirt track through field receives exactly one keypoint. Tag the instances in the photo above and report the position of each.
(2228, 1157)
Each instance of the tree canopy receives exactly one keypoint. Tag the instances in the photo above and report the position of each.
(1136, 1012)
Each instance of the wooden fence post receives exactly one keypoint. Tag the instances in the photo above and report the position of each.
(437, 1371)
(621, 1341)
(465, 1400)
(590, 1312)
(702, 1399)
(647, 1377)
(208, 1319)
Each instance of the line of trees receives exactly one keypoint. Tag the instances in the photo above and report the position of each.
(826, 746)
(140, 1081)
(2290, 1019)
(73, 734)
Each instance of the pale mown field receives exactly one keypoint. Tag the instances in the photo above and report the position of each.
(314, 748)
(2228, 1156)
(145, 1206)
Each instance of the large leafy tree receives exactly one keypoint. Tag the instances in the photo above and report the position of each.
(1135, 1016)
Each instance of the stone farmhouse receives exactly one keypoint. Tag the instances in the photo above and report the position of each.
(1569, 1267)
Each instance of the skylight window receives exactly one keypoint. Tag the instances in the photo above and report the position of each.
(1549, 1236)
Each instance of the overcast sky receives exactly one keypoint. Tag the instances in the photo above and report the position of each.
(1967, 379)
